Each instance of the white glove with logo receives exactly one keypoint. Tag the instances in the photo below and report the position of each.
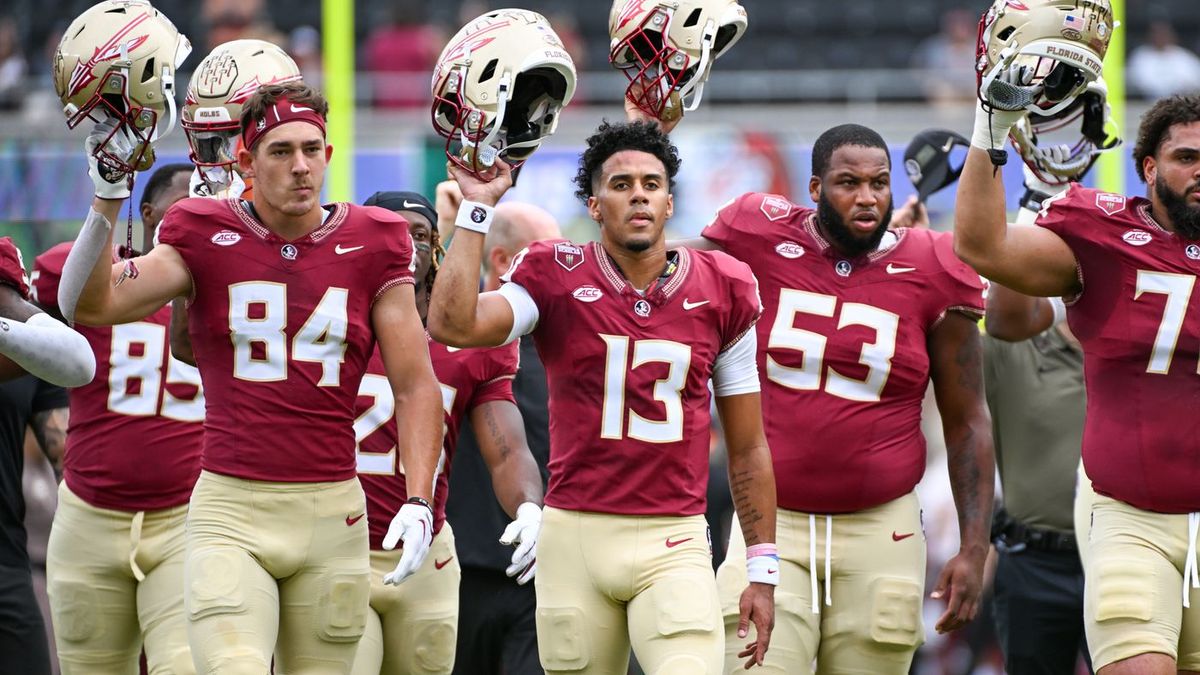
(413, 525)
(110, 183)
(523, 533)
(218, 182)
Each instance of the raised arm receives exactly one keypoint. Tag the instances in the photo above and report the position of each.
(92, 290)
(459, 315)
(1031, 260)
(956, 365)
(34, 342)
(515, 479)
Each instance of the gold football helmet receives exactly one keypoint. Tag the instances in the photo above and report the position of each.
(667, 48)
(1038, 55)
(221, 85)
(117, 60)
(499, 87)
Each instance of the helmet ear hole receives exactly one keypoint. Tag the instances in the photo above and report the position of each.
(148, 70)
(1006, 33)
(693, 18)
(489, 71)
(725, 35)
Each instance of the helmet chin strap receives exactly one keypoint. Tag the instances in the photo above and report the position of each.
(484, 152)
(692, 94)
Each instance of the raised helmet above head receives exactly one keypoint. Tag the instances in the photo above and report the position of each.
(221, 85)
(117, 61)
(667, 48)
(1038, 55)
(499, 87)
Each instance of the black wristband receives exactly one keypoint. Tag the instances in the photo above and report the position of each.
(419, 500)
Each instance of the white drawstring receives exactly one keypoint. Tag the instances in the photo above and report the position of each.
(1191, 571)
(812, 561)
(828, 562)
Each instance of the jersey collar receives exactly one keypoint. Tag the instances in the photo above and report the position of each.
(660, 291)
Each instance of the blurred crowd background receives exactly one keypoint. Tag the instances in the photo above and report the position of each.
(803, 66)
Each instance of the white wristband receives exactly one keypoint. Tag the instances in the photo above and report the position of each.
(763, 569)
(475, 217)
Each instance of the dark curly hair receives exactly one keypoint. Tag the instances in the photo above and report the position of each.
(1156, 126)
(610, 139)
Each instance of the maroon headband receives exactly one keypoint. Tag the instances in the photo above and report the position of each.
(284, 111)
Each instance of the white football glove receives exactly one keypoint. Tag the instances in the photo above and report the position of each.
(110, 183)
(217, 181)
(523, 533)
(413, 525)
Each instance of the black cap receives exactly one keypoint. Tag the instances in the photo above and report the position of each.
(404, 201)
(927, 160)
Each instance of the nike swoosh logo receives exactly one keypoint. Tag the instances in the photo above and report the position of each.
(901, 537)
(351, 521)
(892, 269)
(439, 564)
(411, 205)
(693, 305)
(673, 544)
(349, 249)
(300, 108)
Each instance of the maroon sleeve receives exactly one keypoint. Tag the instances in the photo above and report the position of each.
(47, 274)
(398, 261)
(498, 367)
(963, 287)
(745, 304)
(12, 268)
(738, 223)
(533, 267)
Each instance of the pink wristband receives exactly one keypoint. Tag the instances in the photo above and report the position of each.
(761, 549)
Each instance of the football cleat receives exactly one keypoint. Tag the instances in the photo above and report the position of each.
(221, 85)
(499, 87)
(1061, 163)
(117, 60)
(667, 49)
(1038, 55)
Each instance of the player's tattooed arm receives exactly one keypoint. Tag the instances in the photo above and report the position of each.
(181, 342)
(501, 434)
(50, 429)
(956, 362)
(751, 478)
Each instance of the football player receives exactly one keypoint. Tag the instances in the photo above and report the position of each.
(287, 300)
(859, 318)
(1126, 266)
(630, 334)
(116, 551)
(411, 628)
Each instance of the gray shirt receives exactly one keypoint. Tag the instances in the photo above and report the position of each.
(1035, 391)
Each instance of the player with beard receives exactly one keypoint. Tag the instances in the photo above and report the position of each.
(631, 335)
(288, 299)
(411, 628)
(858, 319)
(1127, 267)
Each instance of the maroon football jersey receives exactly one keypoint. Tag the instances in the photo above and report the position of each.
(842, 350)
(12, 268)
(468, 378)
(143, 409)
(1139, 323)
(628, 374)
(282, 331)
